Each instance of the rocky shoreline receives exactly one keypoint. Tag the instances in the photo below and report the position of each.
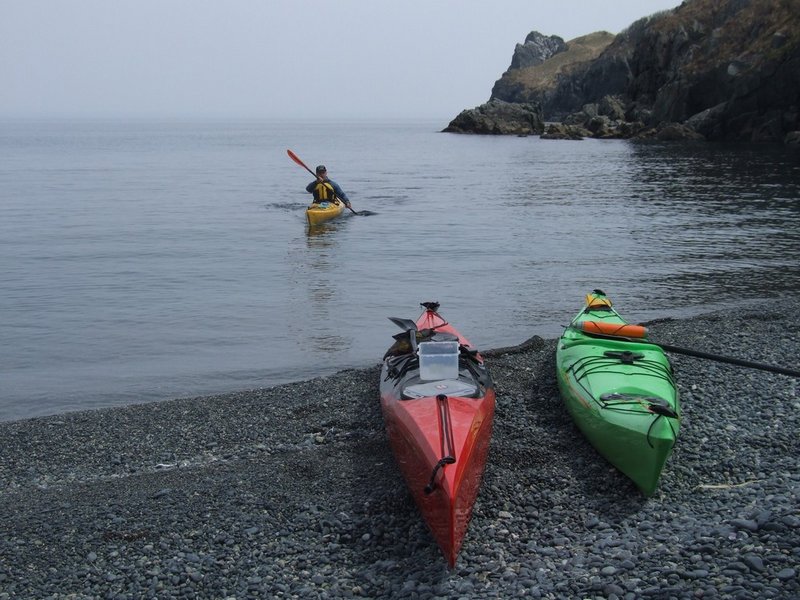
(292, 492)
(690, 73)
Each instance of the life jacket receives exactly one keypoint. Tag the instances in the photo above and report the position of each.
(323, 192)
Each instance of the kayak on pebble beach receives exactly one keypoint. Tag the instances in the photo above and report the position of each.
(619, 390)
(438, 403)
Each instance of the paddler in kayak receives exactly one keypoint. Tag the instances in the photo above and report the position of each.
(326, 190)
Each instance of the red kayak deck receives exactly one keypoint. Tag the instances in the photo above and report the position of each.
(440, 440)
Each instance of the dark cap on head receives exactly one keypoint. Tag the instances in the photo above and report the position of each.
(321, 169)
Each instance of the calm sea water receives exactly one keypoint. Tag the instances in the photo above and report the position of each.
(150, 260)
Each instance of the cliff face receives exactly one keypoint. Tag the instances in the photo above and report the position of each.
(718, 69)
(550, 80)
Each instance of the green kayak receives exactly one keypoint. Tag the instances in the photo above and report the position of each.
(620, 391)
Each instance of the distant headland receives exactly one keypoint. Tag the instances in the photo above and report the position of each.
(708, 69)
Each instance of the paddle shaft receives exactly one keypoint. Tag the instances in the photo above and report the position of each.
(707, 355)
(296, 159)
(730, 360)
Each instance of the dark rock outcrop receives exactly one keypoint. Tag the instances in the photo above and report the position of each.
(560, 131)
(714, 69)
(499, 118)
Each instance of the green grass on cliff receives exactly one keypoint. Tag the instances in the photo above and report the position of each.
(580, 50)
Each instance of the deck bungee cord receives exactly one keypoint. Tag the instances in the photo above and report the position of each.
(447, 446)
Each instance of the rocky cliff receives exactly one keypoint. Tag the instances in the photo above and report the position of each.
(713, 69)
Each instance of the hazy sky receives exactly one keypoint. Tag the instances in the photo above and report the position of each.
(275, 58)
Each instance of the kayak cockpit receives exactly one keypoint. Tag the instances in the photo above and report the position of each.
(436, 367)
(418, 388)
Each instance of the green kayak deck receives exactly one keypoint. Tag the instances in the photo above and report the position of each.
(619, 390)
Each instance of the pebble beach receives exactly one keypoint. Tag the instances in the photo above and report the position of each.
(292, 491)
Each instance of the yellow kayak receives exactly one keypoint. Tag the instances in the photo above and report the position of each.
(321, 212)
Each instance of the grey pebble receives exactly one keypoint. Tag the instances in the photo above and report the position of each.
(754, 562)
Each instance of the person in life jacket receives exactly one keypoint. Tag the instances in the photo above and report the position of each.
(326, 190)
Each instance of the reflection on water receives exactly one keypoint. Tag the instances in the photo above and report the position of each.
(321, 332)
(667, 229)
(323, 232)
(726, 226)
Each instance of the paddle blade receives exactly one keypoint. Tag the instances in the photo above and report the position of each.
(404, 324)
(296, 159)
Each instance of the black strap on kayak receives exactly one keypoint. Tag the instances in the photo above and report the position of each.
(446, 435)
(447, 460)
(590, 365)
(653, 424)
(468, 352)
(625, 356)
(398, 366)
(659, 406)
(476, 367)
(652, 404)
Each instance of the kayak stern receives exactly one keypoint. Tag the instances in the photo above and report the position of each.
(322, 212)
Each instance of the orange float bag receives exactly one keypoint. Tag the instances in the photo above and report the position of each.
(618, 329)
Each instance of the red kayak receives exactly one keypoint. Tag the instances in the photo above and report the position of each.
(438, 403)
